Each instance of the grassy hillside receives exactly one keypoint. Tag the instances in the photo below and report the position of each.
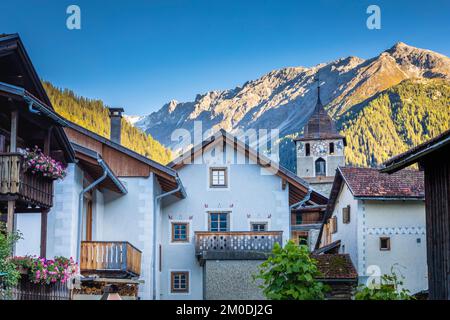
(93, 115)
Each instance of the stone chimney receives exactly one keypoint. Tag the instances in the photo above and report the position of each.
(115, 115)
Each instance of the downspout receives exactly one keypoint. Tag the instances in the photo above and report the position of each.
(155, 204)
(298, 204)
(80, 204)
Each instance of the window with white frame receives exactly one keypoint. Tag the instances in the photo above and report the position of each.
(218, 177)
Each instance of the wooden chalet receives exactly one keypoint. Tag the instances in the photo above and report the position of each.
(27, 119)
(433, 158)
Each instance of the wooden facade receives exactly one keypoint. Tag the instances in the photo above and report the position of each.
(27, 119)
(434, 158)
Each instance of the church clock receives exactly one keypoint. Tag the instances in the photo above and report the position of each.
(320, 148)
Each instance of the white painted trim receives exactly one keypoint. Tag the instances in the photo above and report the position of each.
(259, 220)
(170, 284)
(396, 230)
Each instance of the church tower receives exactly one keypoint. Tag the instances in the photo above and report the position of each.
(320, 150)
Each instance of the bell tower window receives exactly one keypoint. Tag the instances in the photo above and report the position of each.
(320, 167)
(331, 148)
(307, 150)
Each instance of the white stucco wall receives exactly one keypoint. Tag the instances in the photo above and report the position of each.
(251, 196)
(404, 223)
(61, 222)
(129, 218)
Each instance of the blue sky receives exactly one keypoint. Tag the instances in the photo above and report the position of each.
(140, 54)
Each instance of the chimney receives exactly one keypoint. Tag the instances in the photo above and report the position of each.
(115, 115)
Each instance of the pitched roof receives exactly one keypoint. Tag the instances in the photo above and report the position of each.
(413, 155)
(371, 183)
(320, 125)
(299, 187)
(336, 266)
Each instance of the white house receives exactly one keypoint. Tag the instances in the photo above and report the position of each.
(238, 206)
(380, 221)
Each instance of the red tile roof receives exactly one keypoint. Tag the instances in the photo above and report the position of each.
(371, 183)
(335, 266)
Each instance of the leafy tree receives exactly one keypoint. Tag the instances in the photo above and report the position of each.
(8, 270)
(388, 289)
(289, 274)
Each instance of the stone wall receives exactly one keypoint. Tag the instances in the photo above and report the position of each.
(231, 280)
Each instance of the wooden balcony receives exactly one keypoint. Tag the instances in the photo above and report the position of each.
(235, 244)
(110, 258)
(22, 185)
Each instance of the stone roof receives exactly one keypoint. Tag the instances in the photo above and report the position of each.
(335, 266)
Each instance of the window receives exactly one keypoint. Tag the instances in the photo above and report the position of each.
(346, 214)
(385, 243)
(302, 239)
(298, 218)
(259, 226)
(179, 282)
(307, 150)
(333, 223)
(331, 147)
(320, 167)
(180, 232)
(218, 221)
(218, 178)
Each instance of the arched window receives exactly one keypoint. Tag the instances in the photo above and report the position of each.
(320, 167)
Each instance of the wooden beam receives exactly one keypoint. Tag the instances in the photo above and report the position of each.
(44, 214)
(10, 218)
(14, 124)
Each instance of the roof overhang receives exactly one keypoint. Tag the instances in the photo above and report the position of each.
(93, 164)
(417, 153)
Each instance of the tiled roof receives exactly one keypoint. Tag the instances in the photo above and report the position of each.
(371, 183)
(335, 266)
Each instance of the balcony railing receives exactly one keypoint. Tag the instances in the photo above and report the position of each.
(236, 241)
(28, 187)
(118, 257)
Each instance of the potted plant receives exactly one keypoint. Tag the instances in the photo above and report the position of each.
(37, 162)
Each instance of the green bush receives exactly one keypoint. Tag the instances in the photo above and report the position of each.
(387, 289)
(8, 270)
(290, 274)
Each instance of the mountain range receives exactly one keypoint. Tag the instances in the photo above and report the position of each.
(402, 95)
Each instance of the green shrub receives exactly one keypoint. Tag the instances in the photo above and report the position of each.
(290, 274)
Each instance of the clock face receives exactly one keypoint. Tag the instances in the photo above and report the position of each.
(320, 148)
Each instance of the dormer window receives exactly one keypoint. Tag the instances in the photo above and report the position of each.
(320, 167)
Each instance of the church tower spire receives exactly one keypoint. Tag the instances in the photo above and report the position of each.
(320, 150)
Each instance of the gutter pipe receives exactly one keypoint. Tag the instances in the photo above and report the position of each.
(106, 172)
(155, 204)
